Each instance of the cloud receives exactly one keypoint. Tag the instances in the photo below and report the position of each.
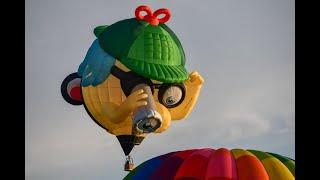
(244, 50)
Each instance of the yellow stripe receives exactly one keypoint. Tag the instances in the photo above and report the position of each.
(240, 152)
(276, 170)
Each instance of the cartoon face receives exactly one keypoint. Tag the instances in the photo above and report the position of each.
(133, 79)
(113, 107)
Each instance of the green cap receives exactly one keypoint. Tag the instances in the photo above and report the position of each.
(151, 51)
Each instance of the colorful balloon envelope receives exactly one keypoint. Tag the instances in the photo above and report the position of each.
(133, 80)
(215, 164)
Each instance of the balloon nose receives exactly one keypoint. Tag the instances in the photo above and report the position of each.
(147, 120)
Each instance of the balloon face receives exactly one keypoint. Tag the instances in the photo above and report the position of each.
(107, 103)
(133, 79)
(216, 164)
(111, 94)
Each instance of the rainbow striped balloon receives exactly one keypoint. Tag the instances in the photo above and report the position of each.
(215, 164)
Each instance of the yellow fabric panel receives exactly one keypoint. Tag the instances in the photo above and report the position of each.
(94, 94)
(98, 97)
(123, 97)
(108, 94)
(92, 102)
(166, 117)
(124, 128)
(103, 94)
(276, 170)
(116, 95)
(86, 98)
(114, 88)
(240, 152)
(113, 82)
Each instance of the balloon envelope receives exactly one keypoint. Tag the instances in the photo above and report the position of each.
(215, 164)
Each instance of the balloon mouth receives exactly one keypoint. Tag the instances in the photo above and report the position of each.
(147, 121)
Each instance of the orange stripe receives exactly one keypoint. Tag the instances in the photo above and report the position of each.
(250, 168)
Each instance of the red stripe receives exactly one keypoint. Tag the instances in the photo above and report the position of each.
(250, 168)
(221, 166)
(195, 166)
(170, 165)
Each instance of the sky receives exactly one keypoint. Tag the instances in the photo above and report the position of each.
(244, 49)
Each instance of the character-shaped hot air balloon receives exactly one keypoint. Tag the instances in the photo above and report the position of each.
(133, 80)
(216, 164)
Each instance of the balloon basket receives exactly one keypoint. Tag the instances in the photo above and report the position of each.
(129, 166)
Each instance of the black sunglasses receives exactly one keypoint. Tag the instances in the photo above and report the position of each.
(170, 95)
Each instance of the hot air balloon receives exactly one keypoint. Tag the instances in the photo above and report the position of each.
(133, 79)
(215, 164)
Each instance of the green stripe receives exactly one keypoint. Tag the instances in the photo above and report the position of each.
(259, 154)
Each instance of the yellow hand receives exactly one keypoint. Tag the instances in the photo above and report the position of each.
(134, 101)
(195, 79)
(116, 114)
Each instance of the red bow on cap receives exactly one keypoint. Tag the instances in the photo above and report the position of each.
(152, 17)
